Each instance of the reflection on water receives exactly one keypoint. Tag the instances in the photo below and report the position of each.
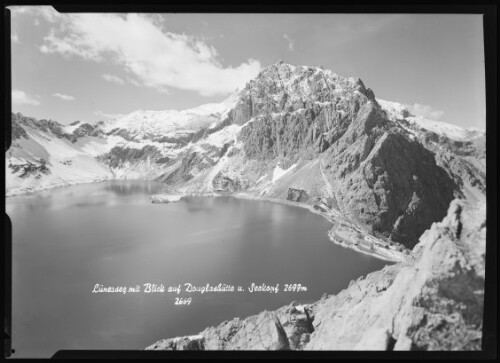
(68, 239)
(199, 204)
(87, 195)
(127, 188)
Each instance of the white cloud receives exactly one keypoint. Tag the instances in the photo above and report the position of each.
(426, 111)
(156, 58)
(291, 42)
(64, 97)
(108, 116)
(21, 98)
(113, 79)
(134, 82)
(14, 38)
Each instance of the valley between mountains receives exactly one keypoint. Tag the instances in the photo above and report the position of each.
(394, 185)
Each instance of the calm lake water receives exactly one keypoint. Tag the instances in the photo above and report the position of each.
(67, 240)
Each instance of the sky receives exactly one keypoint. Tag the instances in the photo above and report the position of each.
(90, 67)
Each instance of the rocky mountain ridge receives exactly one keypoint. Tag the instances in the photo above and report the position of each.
(290, 128)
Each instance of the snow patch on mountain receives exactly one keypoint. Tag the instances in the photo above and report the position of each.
(445, 129)
(278, 172)
(395, 111)
(42, 162)
(223, 136)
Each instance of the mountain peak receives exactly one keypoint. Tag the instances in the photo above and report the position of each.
(286, 71)
(287, 86)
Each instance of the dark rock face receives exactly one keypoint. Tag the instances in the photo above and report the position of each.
(297, 195)
(224, 183)
(322, 205)
(297, 323)
(370, 94)
(30, 169)
(118, 155)
(226, 122)
(292, 135)
(386, 180)
(85, 130)
(224, 149)
(463, 160)
(192, 162)
(43, 125)
(51, 126)
(183, 172)
(180, 139)
(183, 139)
(297, 111)
(462, 171)
(17, 131)
(410, 190)
(121, 132)
(163, 160)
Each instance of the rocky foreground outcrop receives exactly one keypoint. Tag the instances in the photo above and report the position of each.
(432, 301)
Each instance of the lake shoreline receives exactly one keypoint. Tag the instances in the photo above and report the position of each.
(379, 252)
(21, 192)
(255, 244)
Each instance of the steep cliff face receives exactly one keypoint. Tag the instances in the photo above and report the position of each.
(386, 180)
(296, 111)
(460, 152)
(432, 301)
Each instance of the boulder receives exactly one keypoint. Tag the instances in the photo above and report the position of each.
(297, 195)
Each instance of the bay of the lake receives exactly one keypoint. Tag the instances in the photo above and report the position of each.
(65, 241)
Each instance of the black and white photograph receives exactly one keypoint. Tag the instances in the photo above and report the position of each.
(246, 181)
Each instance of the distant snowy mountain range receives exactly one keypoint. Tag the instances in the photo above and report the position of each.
(293, 132)
(396, 111)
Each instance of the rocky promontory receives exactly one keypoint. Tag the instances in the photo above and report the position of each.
(165, 198)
